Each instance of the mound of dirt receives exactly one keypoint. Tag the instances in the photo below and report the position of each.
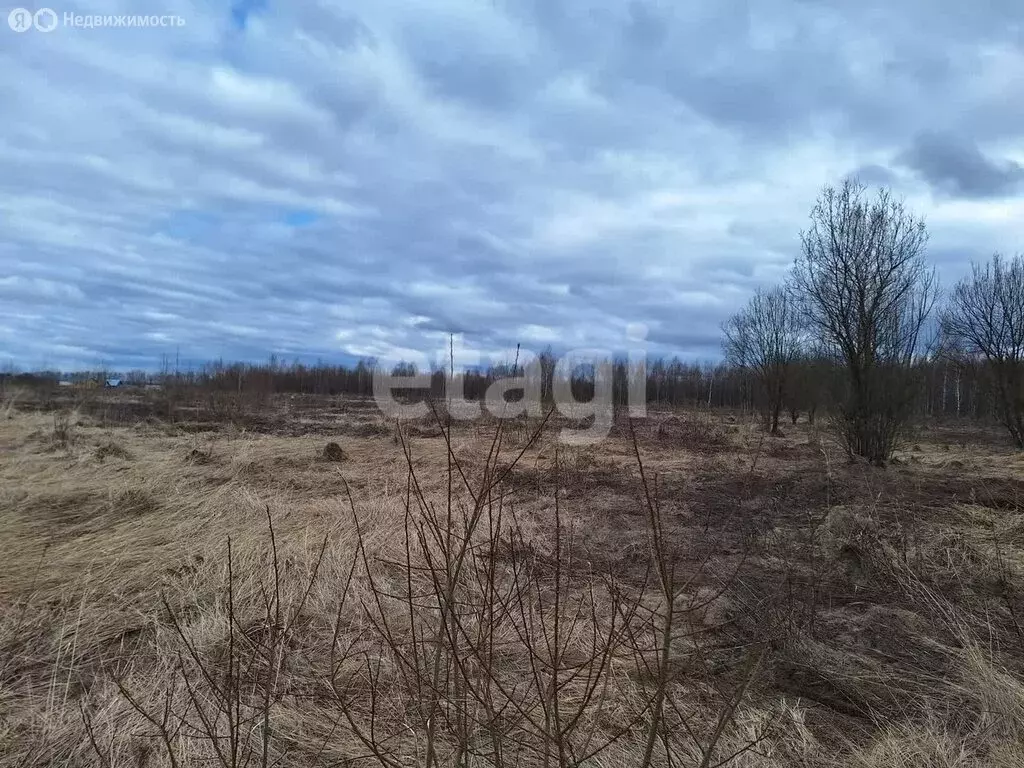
(333, 452)
(112, 449)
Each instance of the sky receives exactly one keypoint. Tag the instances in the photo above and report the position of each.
(364, 177)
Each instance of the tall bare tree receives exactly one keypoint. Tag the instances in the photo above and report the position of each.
(764, 338)
(985, 319)
(868, 292)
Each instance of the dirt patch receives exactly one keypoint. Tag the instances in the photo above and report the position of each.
(333, 452)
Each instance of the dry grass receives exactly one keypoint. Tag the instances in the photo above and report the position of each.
(703, 596)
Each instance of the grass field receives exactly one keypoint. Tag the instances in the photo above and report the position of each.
(688, 592)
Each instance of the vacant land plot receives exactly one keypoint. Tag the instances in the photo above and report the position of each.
(688, 592)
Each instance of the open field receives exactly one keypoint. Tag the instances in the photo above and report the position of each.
(689, 592)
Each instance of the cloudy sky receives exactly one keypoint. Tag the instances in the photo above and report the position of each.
(362, 177)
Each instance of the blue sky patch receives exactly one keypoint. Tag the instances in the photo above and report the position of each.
(242, 9)
(300, 218)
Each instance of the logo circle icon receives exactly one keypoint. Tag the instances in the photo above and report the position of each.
(20, 19)
(45, 20)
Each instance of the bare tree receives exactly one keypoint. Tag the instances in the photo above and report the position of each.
(764, 338)
(868, 292)
(985, 319)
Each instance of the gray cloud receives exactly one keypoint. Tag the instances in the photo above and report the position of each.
(957, 166)
(362, 178)
(875, 175)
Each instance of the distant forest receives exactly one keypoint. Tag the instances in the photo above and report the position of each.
(948, 387)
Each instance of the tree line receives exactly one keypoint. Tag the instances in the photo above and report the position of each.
(858, 323)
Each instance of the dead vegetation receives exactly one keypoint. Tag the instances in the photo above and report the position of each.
(689, 592)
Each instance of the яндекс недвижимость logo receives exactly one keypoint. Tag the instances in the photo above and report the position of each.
(47, 20)
(22, 20)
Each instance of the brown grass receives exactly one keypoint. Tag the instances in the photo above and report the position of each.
(702, 596)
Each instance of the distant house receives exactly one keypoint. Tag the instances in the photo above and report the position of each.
(64, 383)
(113, 382)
